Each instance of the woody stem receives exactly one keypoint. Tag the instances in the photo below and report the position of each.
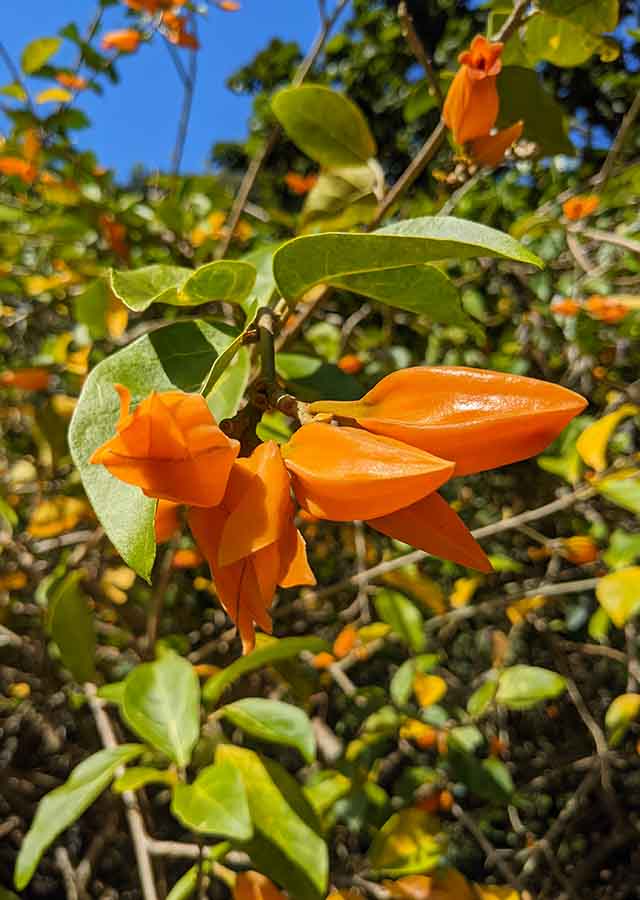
(264, 324)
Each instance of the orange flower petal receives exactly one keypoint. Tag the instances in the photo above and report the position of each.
(344, 473)
(490, 149)
(254, 886)
(580, 206)
(125, 41)
(261, 513)
(471, 106)
(477, 418)
(431, 525)
(294, 568)
(167, 521)
(483, 58)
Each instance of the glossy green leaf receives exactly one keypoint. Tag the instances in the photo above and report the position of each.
(265, 285)
(139, 288)
(369, 259)
(225, 280)
(284, 846)
(136, 777)
(619, 594)
(215, 803)
(522, 96)
(520, 687)
(410, 842)
(37, 53)
(61, 807)
(621, 488)
(176, 356)
(401, 686)
(161, 703)
(70, 624)
(405, 619)
(325, 125)
(482, 698)
(274, 721)
(275, 650)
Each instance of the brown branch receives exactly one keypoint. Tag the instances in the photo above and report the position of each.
(618, 143)
(247, 183)
(492, 857)
(608, 237)
(418, 49)
(157, 600)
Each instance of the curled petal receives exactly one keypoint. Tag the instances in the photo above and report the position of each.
(477, 418)
(294, 565)
(483, 57)
(344, 473)
(490, 150)
(259, 500)
(471, 107)
(431, 525)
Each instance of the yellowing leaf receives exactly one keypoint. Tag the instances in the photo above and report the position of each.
(429, 688)
(419, 586)
(621, 713)
(619, 594)
(496, 892)
(463, 591)
(116, 317)
(55, 516)
(410, 842)
(592, 443)
(517, 612)
(54, 95)
(424, 735)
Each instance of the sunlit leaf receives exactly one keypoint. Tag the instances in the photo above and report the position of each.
(619, 594)
(520, 687)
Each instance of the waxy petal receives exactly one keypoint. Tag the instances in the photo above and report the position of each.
(345, 473)
(471, 106)
(294, 565)
(477, 418)
(490, 150)
(431, 525)
(167, 520)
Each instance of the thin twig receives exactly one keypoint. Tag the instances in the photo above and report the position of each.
(492, 858)
(161, 583)
(618, 143)
(609, 237)
(187, 103)
(15, 74)
(418, 49)
(247, 183)
(134, 816)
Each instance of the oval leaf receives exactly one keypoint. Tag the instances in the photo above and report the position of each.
(70, 625)
(325, 125)
(61, 807)
(216, 803)
(520, 687)
(225, 280)
(161, 703)
(139, 288)
(619, 594)
(271, 720)
(37, 53)
(405, 618)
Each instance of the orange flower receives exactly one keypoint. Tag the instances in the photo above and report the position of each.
(114, 233)
(167, 521)
(490, 149)
(565, 307)
(176, 31)
(345, 473)
(580, 206)
(170, 447)
(71, 81)
(254, 886)
(323, 660)
(580, 549)
(126, 40)
(299, 184)
(250, 540)
(345, 641)
(26, 379)
(228, 5)
(477, 418)
(606, 309)
(19, 168)
(350, 364)
(186, 559)
(471, 106)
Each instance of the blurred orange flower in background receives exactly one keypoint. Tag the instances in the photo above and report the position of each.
(32, 379)
(71, 81)
(19, 168)
(126, 40)
(299, 184)
(580, 206)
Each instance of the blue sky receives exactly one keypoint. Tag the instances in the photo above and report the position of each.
(136, 120)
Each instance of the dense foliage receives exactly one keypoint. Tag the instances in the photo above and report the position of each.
(413, 728)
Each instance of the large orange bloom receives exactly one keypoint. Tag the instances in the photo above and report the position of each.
(171, 447)
(250, 540)
(471, 106)
(477, 418)
(345, 473)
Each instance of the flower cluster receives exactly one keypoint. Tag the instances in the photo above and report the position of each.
(472, 104)
(380, 459)
(609, 310)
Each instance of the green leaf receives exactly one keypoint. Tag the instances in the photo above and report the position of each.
(621, 488)
(70, 624)
(624, 710)
(410, 842)
(624, 548)
(482, 698)
(595, 16)
(264, 287)
(223, 280)
(37, 53)
(139, 288)
(619, 594)
(137, 776)
(341, 198)
(161, 703)
(112, 693)
(326, 789)
(401, 686)
(186, 886)
(276, 650)
(177, 356)
(310, 378)
(520, 687)
(272, 720)
(61, 807)
(325, 125)
(216, 803)
(90, 308)
(405, 618)
(522, 96)
(368, 260)
(560, 41)
(284, 846)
